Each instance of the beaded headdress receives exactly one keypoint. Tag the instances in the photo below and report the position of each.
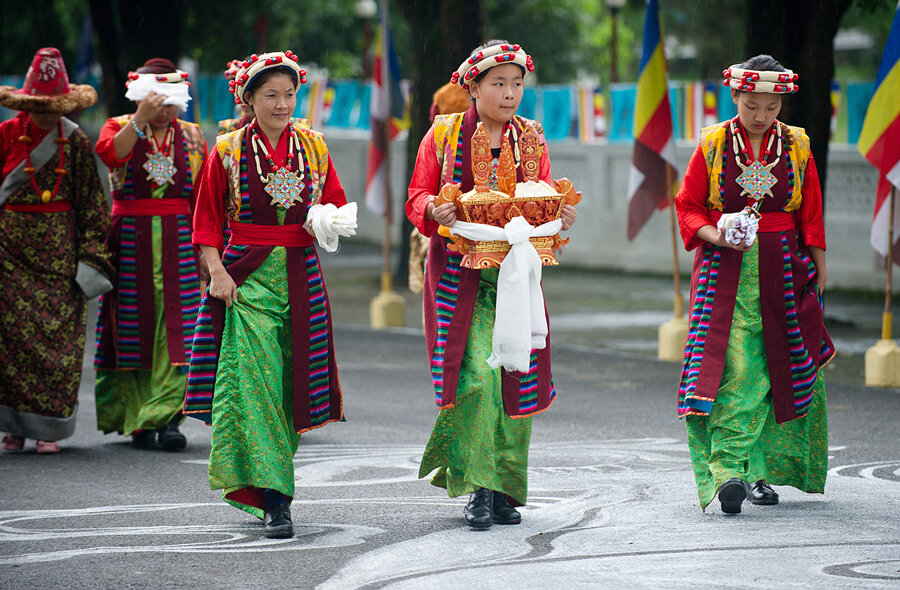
(484, 59)
(173, 85)
(760, 81)
(257, 64)
(231, 69)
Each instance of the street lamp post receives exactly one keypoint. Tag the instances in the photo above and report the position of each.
(614, 7)
(366, 10)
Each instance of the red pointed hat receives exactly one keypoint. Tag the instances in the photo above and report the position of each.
(47, 89)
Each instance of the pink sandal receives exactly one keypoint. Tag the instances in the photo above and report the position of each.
(47, 447)
(13, 443)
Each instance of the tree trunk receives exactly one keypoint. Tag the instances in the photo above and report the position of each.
(444, 32)
(105, 19)
(800, 34)
(129, 34)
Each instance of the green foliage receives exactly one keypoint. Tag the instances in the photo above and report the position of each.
(566, 38)
(28, 26)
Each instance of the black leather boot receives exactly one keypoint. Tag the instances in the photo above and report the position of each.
(169, 438)
(278, 522)
(503, 512)
(732, 494)
(479, 511)
(143, 439)
(762, 494)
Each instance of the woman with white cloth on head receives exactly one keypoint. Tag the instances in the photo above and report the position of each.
(147, 322)
(263, 367)
(479, 444)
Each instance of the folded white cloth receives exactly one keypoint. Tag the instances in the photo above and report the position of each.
(519, 322)
(91, 281)
(329, 222)
(178, 93)
(739, 228)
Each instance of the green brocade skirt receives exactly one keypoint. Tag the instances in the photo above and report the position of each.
(129, 400)
(475, 444)
(253, 435)
(740, 438)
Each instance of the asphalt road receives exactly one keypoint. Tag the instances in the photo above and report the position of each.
(612, 502)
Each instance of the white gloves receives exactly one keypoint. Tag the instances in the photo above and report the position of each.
(739, 228)
(328, 222)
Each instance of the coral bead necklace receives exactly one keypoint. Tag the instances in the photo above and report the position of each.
(756, 179)
(283, 184)
(46, 195)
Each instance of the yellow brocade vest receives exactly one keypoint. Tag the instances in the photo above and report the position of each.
(446, 139)
(193, 139)
(712, 142)
(229, 146)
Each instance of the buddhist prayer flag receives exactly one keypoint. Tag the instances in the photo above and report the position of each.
(654, 147)
(879, 140)
(591, 117)
(699, 108)
(388, 113)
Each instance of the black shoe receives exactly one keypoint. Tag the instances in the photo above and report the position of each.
(762, 494)
(143, 439)
(169, 438)
(503, 512)
(479, 511)
(732, 493)
(278, 522)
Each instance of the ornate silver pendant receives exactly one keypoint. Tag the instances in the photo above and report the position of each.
(160, 169)
(285, 188)
(757, 179)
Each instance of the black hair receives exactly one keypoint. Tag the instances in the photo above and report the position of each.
(763, 63)
(261, 78)
(485, 45)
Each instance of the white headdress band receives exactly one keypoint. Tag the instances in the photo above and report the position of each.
(257, 64)
(484, 59)
(759, 81)
(174, 86)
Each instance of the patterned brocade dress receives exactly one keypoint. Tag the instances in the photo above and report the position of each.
(42, 309)
(483, 431)
(263, 370)
(146, 323)
(751, 386)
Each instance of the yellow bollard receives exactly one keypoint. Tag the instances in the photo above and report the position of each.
(387, 309)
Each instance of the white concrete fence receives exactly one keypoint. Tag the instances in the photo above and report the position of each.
(598, 239)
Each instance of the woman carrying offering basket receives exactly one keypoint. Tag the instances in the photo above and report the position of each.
(482, 192)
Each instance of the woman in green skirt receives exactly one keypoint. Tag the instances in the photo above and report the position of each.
(751, 386)
(263, 368)
(480, 441)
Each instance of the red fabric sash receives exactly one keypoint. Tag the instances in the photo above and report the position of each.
(51, 207)
(253, 234)
(150, 207)
(772, 221)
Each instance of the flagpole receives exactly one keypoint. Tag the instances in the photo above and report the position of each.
(387, 309)
(673, 333)
(679, 300)
(887, 318)
(883, 359)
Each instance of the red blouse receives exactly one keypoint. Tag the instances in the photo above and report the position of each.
(690, 202)
(13, 151)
